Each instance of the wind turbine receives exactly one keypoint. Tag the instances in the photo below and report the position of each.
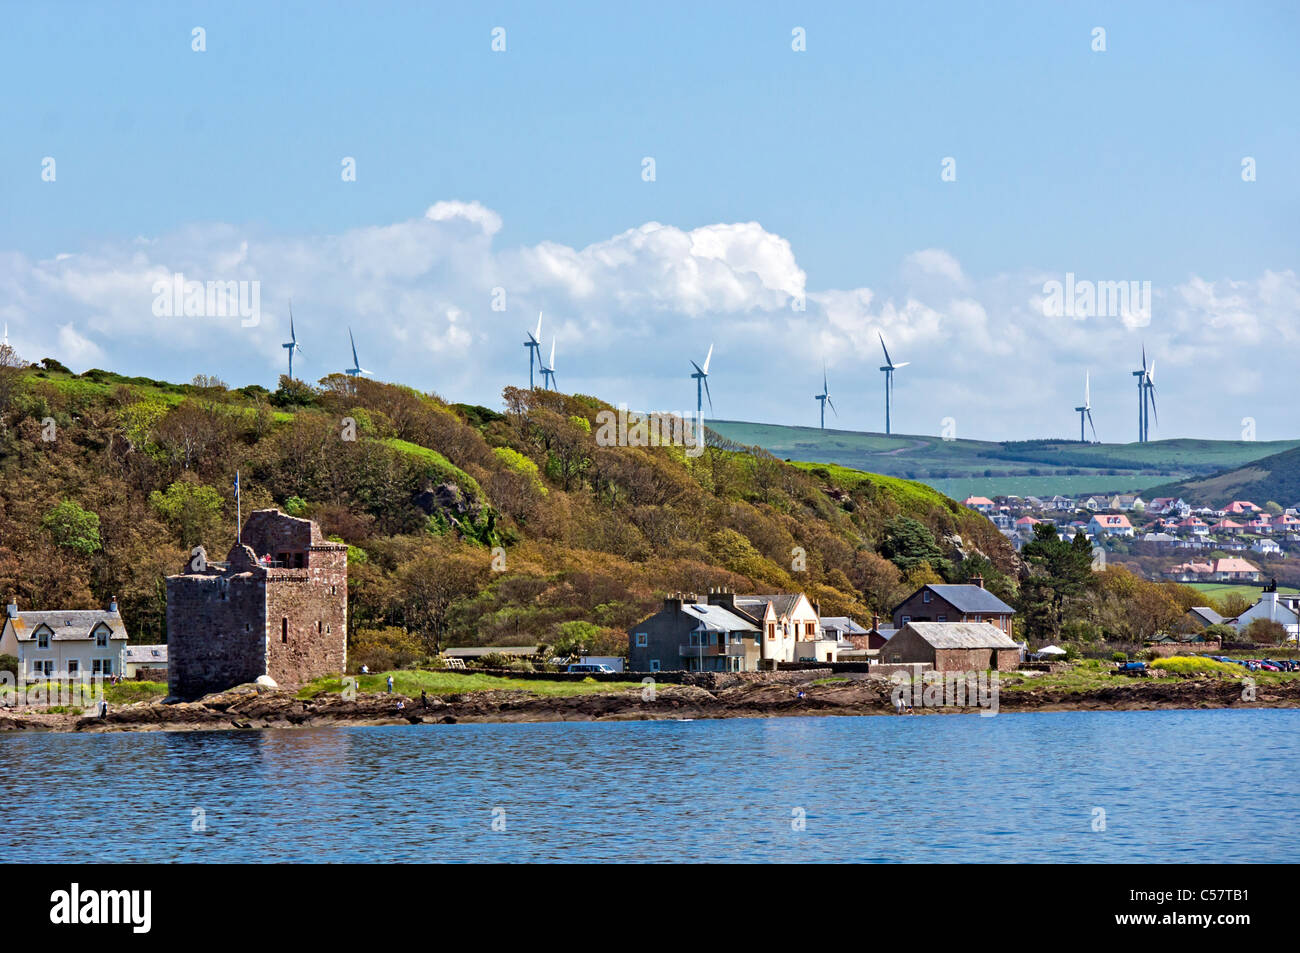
(889, 367)
(825, 397)
(1149, 387)
(292, 344)
(1142, 376)
(548, 370)
(356, 370)
(1086, 410)
(701, 378)
(534, 345)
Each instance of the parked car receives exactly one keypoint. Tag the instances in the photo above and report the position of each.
(588, 667)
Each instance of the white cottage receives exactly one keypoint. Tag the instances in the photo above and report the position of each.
(64, 643)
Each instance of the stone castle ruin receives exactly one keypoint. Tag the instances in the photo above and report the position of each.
(277, 607)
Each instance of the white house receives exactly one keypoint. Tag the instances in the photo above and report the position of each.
(139, 657)
(64, 643)
(1265, 547)
(1109, 524)
(1269, 607)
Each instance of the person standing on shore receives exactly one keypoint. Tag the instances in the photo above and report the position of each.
(390, 684)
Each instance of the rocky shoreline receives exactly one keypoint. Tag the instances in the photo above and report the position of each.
(249, 707)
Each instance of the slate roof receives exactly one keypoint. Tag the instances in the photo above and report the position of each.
(145, 654)
(962, 635)
(783, 603)
(841, 624)
(68, 625)
(1207, 615)
(717, 619)
(967, 598)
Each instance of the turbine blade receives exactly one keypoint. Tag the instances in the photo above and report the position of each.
(538, 336)
(883, 348)
(904, 364)
(832, 403)
(552, 354)
(706, 391)
(1094, 426)
(1087, 389)
(355, 361)
(708, 357)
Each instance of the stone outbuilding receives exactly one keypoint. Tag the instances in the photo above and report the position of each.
(953, 647)
(277, 606)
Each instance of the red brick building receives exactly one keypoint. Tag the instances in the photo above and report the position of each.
(278, 606)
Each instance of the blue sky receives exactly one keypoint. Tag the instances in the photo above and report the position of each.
(1115, 165)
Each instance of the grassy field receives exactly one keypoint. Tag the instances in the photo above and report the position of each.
(411, 682)
(1217, 590)
(960, 468)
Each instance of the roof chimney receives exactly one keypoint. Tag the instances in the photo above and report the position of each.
(112, 604)
(12, 609)
(673, 601)
(978, 580)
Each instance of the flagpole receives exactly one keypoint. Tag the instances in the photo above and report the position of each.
(239, 513)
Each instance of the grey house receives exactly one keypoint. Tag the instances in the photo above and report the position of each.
(688, 634)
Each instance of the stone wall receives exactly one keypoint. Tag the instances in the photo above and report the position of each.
(216, 631)
(306, 618)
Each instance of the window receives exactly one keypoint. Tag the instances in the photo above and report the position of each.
(43, 640)
(101, 666)
(101, 639)
(943, 618)
(654, 665)
(926, 595)
(45, 668)
(642, 639)
(73, 666)
(284, 630)
(771, 630)
(906, 619)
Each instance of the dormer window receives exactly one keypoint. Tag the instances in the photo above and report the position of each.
(43, 640)
(101, 636)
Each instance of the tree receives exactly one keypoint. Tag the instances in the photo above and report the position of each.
(575, 637)
(11, 366)
(1265, 632)
(908, 543)
(1060, 573)
(191, 509)
(73, 527)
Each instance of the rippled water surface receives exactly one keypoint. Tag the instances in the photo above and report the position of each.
(1206, 786)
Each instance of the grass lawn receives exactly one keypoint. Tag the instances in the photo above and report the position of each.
(123, 693)
(411, 682)
(1217, 590)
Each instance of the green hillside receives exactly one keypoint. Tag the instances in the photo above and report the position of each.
(465, 525)
(1273, 478)
(1040, 467)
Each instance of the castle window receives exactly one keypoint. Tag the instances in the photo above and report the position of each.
(320, 627)
(284, 630)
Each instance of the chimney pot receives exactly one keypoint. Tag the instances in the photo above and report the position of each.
(12, 609)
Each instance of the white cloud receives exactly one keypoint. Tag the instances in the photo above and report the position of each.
(628, 310)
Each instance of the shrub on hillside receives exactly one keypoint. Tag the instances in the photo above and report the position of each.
(384, 649)
(1191, 665)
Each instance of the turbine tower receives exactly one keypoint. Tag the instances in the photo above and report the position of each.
(356, 370)
(292, 344)
(534, 345)
(889, 367)
(1142, 375)
(825, 397)
(1149, 388)
(701, 378)
(548, 370)
(1086, 410)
